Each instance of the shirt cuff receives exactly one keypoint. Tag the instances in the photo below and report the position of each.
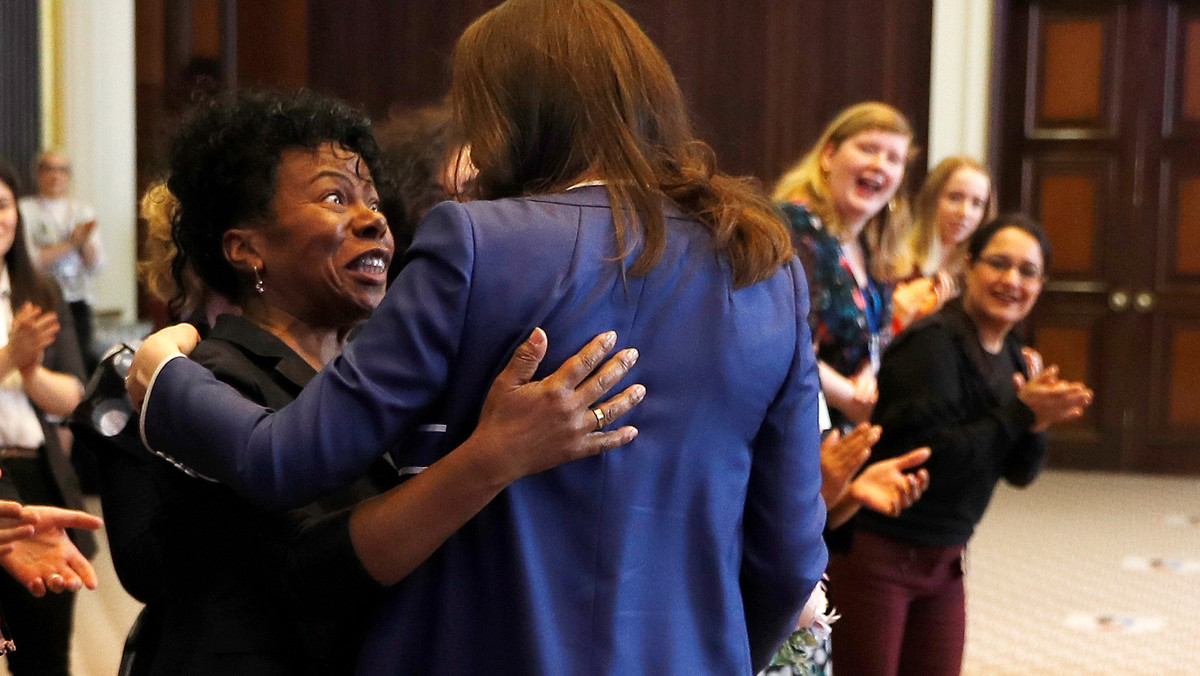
(142, 422)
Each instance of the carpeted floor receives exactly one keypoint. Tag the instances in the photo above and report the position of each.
(1086, 574)
(1079, 575)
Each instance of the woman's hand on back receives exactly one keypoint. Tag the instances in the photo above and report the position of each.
(529, 426)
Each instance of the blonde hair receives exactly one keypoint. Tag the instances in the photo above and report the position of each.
(806, 182)
(921, 247)
(158, 207)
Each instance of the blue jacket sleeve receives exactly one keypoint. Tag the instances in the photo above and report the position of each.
(784, 554)
(353, 411)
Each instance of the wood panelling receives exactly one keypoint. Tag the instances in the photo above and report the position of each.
(1072, 72)
(20, 113)
(1183, 366)
(270, 43)
(1069, 348)
(1190, 70)
(1187, 226)
(761, 84)
(1068, 212)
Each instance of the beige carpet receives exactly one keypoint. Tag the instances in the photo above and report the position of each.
(1062, 581)
(1087, 574)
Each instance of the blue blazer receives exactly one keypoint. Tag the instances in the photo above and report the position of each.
(689, 551)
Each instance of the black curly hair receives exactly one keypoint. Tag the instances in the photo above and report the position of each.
(223, 163)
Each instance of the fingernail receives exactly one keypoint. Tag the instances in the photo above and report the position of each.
(639, 393)
(608, 339)
(537, 337)
(631, 356)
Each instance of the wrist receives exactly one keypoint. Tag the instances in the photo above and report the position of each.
(481, 463)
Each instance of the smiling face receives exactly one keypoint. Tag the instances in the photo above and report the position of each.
(961, 205)
(8, 218)
(324, 256)
(864, 173)
(1003, 283)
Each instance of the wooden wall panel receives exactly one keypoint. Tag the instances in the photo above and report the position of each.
(761, 84)
(20, 114)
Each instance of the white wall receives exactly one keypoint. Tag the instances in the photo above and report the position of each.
(97, 126)
(960, 82)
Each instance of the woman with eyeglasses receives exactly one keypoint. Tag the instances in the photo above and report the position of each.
(962, 384)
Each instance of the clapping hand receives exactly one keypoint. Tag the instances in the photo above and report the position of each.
(1051, 399)
(841, 458)
(33, 330)
(888, 487)
(81, 233)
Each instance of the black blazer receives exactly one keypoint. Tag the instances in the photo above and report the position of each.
(230, 587)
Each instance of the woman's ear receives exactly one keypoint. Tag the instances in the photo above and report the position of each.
(241, 248)
(825, 159)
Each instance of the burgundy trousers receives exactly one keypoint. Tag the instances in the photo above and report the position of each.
(903, 609)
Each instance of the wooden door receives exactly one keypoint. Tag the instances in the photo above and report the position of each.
(1100, 140)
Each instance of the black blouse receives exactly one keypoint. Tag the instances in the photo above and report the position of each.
(939, 388)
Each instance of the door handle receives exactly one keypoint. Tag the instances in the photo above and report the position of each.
(1144, 301)
(1118, 301)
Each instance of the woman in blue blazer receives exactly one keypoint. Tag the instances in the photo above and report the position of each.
(688, 551)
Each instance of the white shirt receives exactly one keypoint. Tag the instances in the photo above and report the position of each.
(50, 221)
(19, 424)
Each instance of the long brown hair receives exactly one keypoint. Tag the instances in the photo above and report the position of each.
(28, 285)
(807, 183)
(549, 93)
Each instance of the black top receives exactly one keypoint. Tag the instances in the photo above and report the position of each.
(239, 589)
(939, 388)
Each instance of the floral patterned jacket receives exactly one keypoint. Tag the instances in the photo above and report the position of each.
(844, 318)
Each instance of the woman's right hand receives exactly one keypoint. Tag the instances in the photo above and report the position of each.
(842, 457)
(529, 426)
(160, 346)
(33, 330)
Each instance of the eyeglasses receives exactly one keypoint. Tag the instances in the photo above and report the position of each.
(1002, 264)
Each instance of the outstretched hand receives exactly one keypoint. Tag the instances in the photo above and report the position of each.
(888, 487)
(156, 349)
(529, 426)
(841, 458)
(47, 560)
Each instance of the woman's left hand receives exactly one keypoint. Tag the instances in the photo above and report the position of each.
(156, 349)
(1052, 400)
(529, 426)
(47, 560)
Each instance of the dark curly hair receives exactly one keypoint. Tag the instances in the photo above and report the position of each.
(223, 163)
